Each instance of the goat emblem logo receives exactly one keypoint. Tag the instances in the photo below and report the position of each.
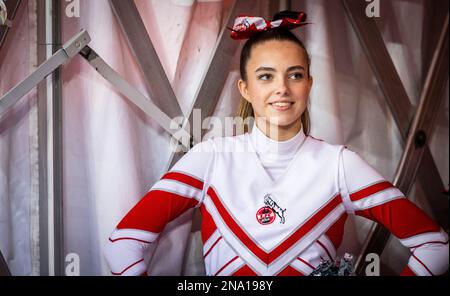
(266, 215)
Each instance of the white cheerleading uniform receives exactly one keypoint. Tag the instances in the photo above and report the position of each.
(273, 209)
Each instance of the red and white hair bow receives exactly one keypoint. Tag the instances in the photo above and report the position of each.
(246, 26)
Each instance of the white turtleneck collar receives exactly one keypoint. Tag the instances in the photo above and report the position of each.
(274, 155)
(267, 146)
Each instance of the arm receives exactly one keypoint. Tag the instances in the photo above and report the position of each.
(179, 190)
(374, 198)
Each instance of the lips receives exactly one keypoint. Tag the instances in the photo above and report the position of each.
(281, 105)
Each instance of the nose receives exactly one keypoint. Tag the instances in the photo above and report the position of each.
(282, 88)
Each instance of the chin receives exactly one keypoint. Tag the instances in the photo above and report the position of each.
(284, 122)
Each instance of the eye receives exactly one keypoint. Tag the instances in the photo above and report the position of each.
(297, 75)
(265, 77)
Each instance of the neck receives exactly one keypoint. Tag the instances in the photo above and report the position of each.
(276, 132)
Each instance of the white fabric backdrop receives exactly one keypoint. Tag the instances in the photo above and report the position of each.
(19, 188)
(113, 152)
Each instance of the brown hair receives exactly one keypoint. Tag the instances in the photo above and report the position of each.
(245, 108)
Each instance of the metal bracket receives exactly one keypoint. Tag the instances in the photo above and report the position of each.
(136, 97)
(73, 46)
(208, 94)
(78, 45)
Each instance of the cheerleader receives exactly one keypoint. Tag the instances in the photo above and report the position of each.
(274, 200)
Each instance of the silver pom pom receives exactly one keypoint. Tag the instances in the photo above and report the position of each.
(338, 267)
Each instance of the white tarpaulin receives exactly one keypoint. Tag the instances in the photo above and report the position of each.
(19, 188)
(113, 152)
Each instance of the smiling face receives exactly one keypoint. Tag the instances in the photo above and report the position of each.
(277, 86)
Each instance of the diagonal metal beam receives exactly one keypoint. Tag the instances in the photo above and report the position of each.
(132, 93)
(208, 94)
(401, 108)
(381, 63)
(69, 50)
(76, 45)
(425, 117)
(396, 97)
(160, 90)
(433, 20)
(422, 126)
(434, 16)
(214, 78)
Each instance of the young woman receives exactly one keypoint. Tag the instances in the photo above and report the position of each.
(274, 201)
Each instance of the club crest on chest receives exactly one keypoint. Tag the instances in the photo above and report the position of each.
(267, 214)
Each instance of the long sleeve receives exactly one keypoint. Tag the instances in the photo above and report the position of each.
(369, 195)
(179, 190)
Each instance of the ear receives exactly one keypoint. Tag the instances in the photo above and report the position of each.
(242, 86)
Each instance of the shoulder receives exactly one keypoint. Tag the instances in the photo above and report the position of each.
(229, 143)
(197, 160)
(319, 146)
(358, 172)
(353, 160)
(205, 146)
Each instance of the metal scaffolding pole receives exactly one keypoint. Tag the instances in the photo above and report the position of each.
(44, 261)
(158, 84)
(136, 97)
(55, 228)
(214, 78)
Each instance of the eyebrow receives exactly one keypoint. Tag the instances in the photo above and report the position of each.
(297, 67)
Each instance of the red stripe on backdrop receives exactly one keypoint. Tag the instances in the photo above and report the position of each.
(286, 244)
(370, 190)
